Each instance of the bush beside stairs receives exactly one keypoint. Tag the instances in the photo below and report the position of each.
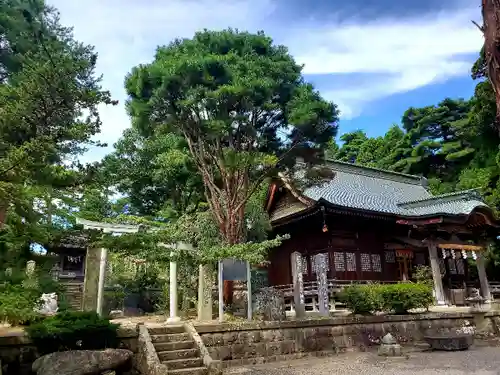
(177, 350)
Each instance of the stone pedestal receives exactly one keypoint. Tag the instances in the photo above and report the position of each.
(204, 293)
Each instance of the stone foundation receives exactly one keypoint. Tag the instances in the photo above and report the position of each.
(252, 342)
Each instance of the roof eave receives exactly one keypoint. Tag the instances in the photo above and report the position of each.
(456, 218)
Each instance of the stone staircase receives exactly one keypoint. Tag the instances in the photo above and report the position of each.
(177, 350)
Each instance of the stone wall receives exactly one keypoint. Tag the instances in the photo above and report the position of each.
(251, 342)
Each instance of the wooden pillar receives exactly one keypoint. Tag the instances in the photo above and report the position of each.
(436, 273)
(483, 279)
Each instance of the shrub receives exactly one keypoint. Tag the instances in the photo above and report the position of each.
(362, 299)
(17, 304)
(73, 331)
(399, 298)
(20, 296)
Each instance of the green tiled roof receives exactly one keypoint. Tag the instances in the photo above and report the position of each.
(376, 190)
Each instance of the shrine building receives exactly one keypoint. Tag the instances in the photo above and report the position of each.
(377, 225)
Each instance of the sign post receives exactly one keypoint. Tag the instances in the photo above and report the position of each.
(234, 270)
(220, 287)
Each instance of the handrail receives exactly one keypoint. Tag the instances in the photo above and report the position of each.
(334, 285)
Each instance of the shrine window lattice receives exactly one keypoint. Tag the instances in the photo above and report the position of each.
(304, 265)
(350, 262)
(344, 261)
(370, 262)
(390, 256)
(339, 261)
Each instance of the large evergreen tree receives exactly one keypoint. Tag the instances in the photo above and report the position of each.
(49, 95)
(243, 109)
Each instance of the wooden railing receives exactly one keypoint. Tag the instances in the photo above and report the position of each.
(311, 292)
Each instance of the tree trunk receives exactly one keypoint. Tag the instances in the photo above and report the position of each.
(491, 31)
(232, 231)
(3, 215)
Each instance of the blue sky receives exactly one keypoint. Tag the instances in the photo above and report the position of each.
(373, 58)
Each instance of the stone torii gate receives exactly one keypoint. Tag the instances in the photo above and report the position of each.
(95, 263)
(95, 268)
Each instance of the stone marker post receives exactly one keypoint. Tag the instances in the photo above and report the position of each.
(321, 269)
(205, 293)
(298, 284)
(30, 268)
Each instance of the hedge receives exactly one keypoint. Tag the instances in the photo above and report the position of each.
(391, 298)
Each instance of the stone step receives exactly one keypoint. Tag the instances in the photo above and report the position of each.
(176, 364)
(178, 354)
(166, 330)
(170, 337)
(174, 345)
(190, 371)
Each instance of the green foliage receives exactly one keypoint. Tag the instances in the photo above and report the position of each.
(19, 296)
(402, 297)
(397, 298)
(17, 304)
(48, 94)
(423, 275)
(49, 98)
(362, 299)
(243, 110)
(73, 331)
(156, 173)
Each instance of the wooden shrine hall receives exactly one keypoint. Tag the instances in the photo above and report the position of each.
(375, 225)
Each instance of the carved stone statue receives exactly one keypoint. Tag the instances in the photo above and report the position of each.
(48, 304)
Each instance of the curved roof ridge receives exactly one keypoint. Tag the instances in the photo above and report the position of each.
(378, 172)
(469, 193)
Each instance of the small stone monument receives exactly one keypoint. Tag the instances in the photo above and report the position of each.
(389, 347)
(270, 303)
(30, 268)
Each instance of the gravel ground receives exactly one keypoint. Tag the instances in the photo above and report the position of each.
(480, 361)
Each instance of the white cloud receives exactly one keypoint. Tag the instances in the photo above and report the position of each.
(394, 55)
(127, 32)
